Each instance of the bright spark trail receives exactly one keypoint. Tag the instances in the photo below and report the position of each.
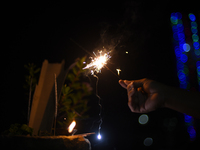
(97, 63)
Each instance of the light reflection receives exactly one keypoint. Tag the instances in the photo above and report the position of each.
(148, 141)
(186, 47)
(143, 119)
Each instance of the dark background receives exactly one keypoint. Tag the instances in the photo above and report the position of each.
(35, 31)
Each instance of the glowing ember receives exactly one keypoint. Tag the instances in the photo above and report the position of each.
(118, 71)
(99, 136)
(71, 126)
(98, 62)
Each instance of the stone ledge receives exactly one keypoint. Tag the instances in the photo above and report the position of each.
(45, 142)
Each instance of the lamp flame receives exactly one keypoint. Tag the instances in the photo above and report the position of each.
(71, 126)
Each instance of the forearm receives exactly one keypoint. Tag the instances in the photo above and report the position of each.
(183, 101)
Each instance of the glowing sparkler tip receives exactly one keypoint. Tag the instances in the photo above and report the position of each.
(97, 63)
(99, 136)
(118, 71)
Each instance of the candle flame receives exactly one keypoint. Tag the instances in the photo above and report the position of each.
(98, 62)
(71, 126)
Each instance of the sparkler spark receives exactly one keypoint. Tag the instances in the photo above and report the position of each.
(118, 71)
(98, 62)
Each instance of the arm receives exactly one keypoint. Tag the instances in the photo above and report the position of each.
(147, 95)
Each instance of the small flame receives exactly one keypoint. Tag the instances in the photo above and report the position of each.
(71, 126)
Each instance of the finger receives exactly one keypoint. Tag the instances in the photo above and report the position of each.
(133, 104)
(130, 86)
(137, 100)
(135, 84)
(130, 93)
(130, 100)
(139, 83)
(133, 100)
(123, 84)
(142, 99)
(127, 82)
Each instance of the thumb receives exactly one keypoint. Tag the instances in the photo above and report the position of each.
(124, 83)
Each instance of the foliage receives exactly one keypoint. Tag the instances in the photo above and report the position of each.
(17, 129)
(75, 95)
(32, 71)
(31, 82)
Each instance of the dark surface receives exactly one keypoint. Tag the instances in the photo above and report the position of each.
(45, 142)
(36, 31)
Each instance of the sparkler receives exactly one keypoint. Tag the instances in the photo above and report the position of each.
(97, 63)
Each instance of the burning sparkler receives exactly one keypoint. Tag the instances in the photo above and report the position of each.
(98, 63)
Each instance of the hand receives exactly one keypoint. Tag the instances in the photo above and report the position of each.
(144, 95)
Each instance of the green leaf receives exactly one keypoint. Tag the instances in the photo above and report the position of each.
(37, 70)
(71, 77)
(74, 70)
(82, 59)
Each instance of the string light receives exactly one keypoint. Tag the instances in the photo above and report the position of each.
(181, 50)
(196, 46)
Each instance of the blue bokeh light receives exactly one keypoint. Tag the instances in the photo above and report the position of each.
(186, 47)
(192, 133)
(174, 20)
(174, 28)
(196, 44)
(178, 52)
(188, 118)
(179, 23)
(194, 30)
(194, 24)
(180, 64)
(181, 36)
(184, 58)
(181, 49)
(197, 52)
(183, 85)
(178, 15)
(195, 37)
(181, 76)
(198, 70)
(192, 17)
(198, 63)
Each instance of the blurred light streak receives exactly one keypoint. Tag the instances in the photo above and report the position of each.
(181, 49)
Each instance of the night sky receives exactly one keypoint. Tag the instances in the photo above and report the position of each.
(35, 31)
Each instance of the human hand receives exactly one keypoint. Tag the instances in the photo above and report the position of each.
(144, 95)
